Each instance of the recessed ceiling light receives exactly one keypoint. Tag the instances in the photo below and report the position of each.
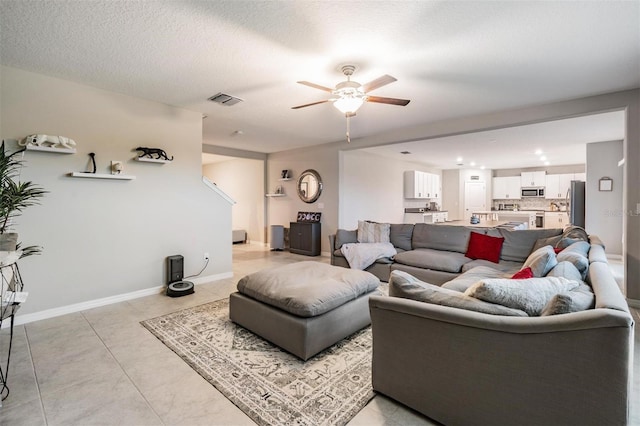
(546, 163)
(538, 151)
(459, 159)
(472, 164)
(482, 167)
(543, 158)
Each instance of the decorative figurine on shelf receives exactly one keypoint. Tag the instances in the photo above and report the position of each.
(474, 220)
(93, 162)
(159, 153)
(285, 174)
(116, 167)
(48, 141)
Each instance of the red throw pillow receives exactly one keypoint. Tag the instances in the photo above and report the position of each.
(557, 249)
(523, 274)
(485, 247)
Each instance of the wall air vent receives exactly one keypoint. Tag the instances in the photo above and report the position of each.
(405, 152)
(224, 99)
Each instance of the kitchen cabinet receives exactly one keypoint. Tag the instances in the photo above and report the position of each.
(529, 179)
(426, 217)
(556, 186)
(506, 188)
(436, 217)
(555, 220)
(304, 238)
(421, 185)
(518, 216)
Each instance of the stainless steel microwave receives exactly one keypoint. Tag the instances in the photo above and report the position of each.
(532, 192)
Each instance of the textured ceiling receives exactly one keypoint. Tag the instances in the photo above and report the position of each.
(451, 58)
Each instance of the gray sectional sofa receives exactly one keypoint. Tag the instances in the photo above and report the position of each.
(435, 252)
(487, 364)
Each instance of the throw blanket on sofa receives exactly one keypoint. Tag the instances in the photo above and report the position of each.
(361, 255)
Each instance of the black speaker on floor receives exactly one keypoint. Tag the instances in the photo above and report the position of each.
(175, 273)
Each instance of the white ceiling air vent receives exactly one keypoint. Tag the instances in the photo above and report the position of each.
(224, 99)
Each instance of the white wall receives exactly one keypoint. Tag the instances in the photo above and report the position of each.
(104, 238)
(243, 180)
(604, 208)
(372, 188)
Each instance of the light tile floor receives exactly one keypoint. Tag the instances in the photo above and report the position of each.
(101, 366)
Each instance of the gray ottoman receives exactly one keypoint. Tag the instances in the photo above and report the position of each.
(304, 307)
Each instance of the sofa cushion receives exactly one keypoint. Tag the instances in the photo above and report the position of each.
(567, 270)
(504, 266)
(372, 232)
(547, 241)
(472, 276)
(580, 299)
(484, 247)
(440, 260)
(530, 295)
(308, 288)
(400, 235)
(443, 237)
(579, 261)
(519, 244)
(541, 261)
(407, 286)
(345, 237)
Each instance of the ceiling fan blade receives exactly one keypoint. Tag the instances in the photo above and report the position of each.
(313, 103)
(391, 101)
(316, 86)
(378, 82)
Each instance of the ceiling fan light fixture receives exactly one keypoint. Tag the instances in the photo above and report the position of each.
(348, 104)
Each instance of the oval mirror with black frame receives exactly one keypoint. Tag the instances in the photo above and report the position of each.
(309, 186)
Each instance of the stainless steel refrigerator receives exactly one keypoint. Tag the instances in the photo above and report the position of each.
(576, 203)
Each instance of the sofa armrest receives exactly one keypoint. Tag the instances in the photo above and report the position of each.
(566, 369)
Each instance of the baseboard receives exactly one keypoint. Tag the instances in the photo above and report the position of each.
(634, 303)
(90, 304)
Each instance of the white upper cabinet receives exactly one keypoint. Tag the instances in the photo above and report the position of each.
(558, 185)
(506, 188)
(421, 185)
(528, 179)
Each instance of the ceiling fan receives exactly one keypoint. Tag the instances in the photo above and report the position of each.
(349, 95)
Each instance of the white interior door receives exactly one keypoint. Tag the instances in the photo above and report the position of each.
(475, 198)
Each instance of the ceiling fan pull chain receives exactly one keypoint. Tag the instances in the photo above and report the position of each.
(348, 128)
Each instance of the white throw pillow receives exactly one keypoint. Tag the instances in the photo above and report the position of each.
(530, 295)
(371, 232)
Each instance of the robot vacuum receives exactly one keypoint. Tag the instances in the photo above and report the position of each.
(180, 288)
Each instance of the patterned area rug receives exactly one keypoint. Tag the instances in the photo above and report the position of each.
(270, 385)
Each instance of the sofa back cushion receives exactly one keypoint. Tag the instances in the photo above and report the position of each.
(519, 244)
(344, 236)
(446, 237)
(401, 234)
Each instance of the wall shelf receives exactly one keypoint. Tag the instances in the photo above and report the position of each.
(151, 160)
(275, 195)
(101, 176)
(285, 179)
(50, 149)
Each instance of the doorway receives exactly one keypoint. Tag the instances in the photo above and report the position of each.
(475, 198)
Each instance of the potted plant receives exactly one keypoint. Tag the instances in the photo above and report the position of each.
(15, 196)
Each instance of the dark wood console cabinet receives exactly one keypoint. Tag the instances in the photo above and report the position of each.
(304, 238)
